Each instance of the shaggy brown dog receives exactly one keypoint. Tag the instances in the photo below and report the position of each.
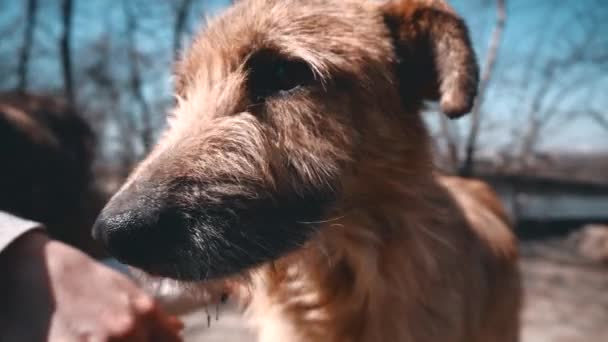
(46, 150)
(297, 155)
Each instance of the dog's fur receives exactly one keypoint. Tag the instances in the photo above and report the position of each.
(47, 151)
(319, 185)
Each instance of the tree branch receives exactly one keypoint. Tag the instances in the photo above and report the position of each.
(600, 119)
(491, 58)
(135, 81)
(180, 23)
(65, 50)
(28, 37)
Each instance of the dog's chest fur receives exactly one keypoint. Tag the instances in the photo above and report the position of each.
(353, 283)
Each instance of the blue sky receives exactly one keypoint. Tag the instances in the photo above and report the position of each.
(537, 32)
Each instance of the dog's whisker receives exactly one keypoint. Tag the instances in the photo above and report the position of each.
(329, 220)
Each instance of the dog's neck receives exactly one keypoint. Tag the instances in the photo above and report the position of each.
(338, 287)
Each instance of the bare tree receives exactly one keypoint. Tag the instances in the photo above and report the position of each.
(65, 49)
(565, 83)
(468, 165)
(136, 85)
(449, 133)
(25, 51)
(105, 100)
(180, 22)
(599, 118)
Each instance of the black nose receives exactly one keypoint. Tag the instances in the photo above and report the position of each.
(139, 228)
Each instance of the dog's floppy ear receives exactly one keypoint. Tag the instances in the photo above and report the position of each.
(436, 59)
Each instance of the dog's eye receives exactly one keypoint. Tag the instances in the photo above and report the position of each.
(270, 76)
(290, 74)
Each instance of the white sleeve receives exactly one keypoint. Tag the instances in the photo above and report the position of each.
(12, 227)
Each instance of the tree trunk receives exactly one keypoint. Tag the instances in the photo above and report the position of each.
(451, 142)
(26, 48)
(180, 24)
(468, 167)
(65, 50)
(146, 130)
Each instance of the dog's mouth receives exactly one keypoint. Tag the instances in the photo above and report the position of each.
(223, 251)
(179, 297)
(212, 241)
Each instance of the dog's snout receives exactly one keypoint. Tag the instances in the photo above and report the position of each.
(137, 226)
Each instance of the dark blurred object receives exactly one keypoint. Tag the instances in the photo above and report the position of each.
(46, 153)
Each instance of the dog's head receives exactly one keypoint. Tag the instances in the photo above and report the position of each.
(279, 103)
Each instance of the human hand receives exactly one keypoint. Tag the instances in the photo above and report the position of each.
(52, 292)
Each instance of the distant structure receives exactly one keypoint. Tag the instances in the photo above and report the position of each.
(546, 206)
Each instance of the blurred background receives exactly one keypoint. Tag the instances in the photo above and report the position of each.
(538, 132)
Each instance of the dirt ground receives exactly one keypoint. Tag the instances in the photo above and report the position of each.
(566, 294)
(566, 299)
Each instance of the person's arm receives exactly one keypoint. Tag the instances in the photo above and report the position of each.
(12, 227)
(52, 292)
